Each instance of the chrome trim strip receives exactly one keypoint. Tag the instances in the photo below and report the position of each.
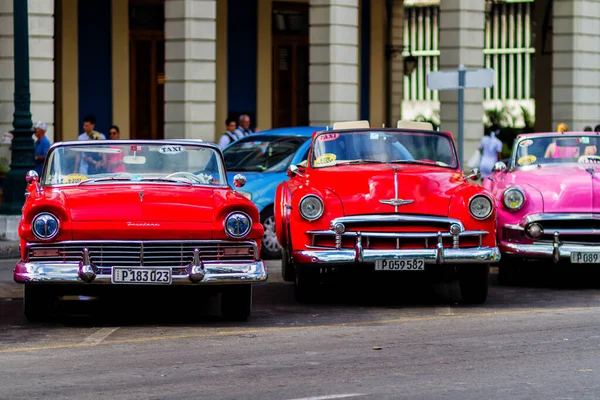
(478, 255)
(401, 235)
(215, 273)
(388, 218)
(557, 217)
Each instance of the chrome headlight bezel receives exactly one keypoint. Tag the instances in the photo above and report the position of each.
(307, 198)
(237, 214)
(490, 202)
(48, 216)
(515, 190)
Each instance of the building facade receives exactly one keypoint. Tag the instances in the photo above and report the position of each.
(179, 68)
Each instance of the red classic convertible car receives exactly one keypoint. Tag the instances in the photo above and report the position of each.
(385, 201)
(108, 214)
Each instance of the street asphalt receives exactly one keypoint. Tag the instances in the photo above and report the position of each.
(535, 341)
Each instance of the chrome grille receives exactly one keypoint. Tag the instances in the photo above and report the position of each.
(143, 253)
(571, 230)
(402, 232)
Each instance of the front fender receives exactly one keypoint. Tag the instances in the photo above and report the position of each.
(459, 209)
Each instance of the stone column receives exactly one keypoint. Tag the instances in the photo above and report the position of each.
(396, 67)
(190, 70)
(462, 31)
(41, 64)
(576, 64)
(333, 74)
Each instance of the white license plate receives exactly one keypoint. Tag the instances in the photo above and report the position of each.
(154, 276)
(585, 258)
(414, 264)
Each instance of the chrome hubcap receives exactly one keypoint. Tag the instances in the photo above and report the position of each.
(270, 238)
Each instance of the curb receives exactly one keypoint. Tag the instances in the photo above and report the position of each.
(9, 249)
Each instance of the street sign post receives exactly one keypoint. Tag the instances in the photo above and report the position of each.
(460, 79)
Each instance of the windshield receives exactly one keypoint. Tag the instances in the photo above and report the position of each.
(97, 162)
(262, 153)
(556, 150)
(395, 146)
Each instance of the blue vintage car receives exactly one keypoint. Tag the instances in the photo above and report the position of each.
(264, 158)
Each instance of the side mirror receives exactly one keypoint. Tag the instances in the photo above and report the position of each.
(499, 166)
(475, 174)
(32, 177)
(239, 180)
(293, 170)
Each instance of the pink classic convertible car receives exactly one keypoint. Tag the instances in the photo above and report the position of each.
(548, 201)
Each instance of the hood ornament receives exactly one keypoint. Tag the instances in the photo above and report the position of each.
(396, 202)
(141, 194)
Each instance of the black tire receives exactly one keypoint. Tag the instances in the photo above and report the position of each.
(38, 302)
(236, 302)
(473, 281)
(287, 266)
(508, 271)
(271, 250)
(306, 286)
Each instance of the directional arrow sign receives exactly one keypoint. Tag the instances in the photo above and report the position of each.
(449, 79)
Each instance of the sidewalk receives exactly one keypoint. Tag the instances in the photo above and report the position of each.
(9, 249)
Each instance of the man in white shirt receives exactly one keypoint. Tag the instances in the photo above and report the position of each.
(230, 134)
(84, 162)
(244, 126)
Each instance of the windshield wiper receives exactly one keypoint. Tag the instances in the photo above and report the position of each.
(111, 178)
(166, 180)
(361, 161)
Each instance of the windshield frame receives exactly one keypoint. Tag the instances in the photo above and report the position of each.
(266, 138)
(388, 130)
(513, 158)
(223, 182)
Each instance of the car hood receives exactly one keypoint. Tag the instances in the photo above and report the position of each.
(362, 188)
(563, 188)
(122, 212)
(142, 203)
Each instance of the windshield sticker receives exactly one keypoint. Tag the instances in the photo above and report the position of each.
(135, 148)
(74, 178)
(526, 143)
(374, 136)
(591, 159)
(326, 137)
(527, 160)
(325, 159)
(171, 149)
(583, 140)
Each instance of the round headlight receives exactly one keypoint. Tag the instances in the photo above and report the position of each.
(480, 207)
(45, 226)
(311, 207)
(237, 224)
(513, 199)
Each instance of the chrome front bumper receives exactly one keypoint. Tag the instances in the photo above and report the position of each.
(556, 250)
(205, 274)
(475, 255)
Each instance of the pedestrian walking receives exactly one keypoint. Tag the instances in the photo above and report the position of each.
(114, 161)
(42, 145)
(230, 134)
(89, 162)
(491, 150)
(243, 128)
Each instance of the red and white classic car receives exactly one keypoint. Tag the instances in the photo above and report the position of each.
(137, 213)
(383, 201)
(548, 201)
